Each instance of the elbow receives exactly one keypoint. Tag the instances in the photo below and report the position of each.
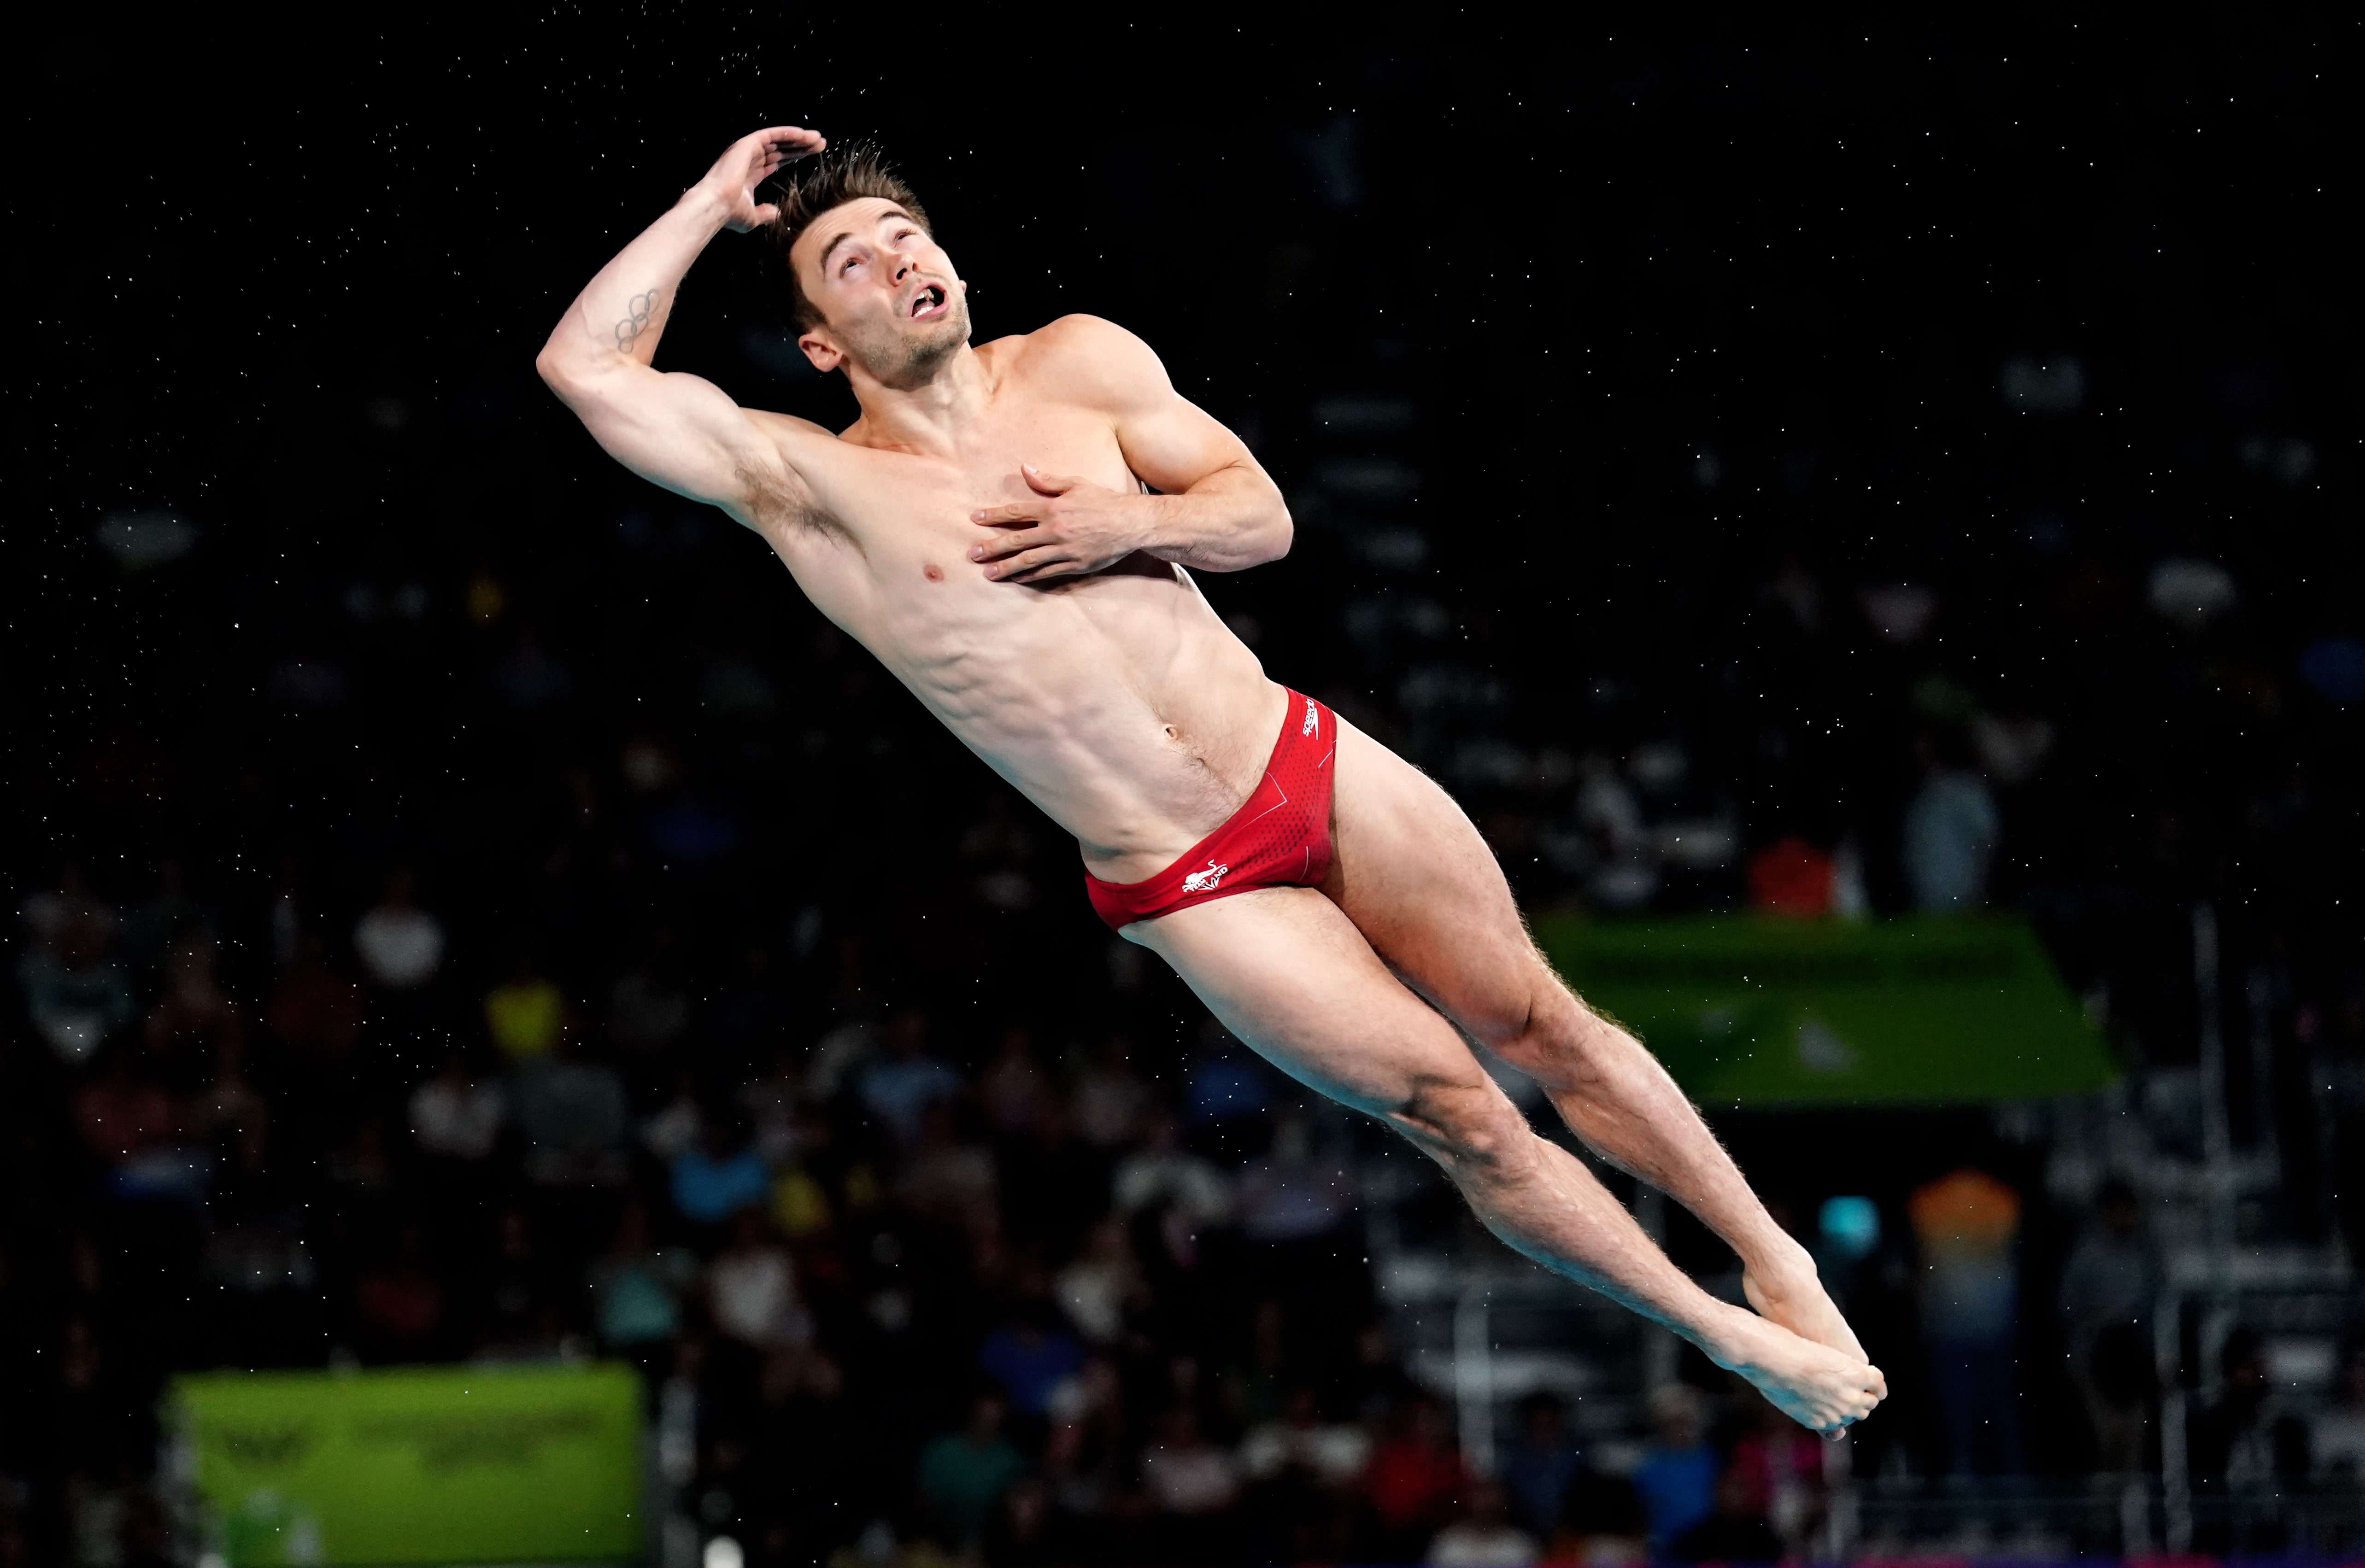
(551, 366)
(1279, 533)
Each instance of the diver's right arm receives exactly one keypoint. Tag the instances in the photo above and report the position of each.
(678, 430)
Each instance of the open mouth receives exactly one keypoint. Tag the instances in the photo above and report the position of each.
(929, 302)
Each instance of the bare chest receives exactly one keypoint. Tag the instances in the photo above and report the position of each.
(909, 516)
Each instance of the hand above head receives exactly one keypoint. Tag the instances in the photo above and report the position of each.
(1068, 528)
(747, 162)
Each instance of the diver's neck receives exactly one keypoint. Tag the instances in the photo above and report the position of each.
(927, 416)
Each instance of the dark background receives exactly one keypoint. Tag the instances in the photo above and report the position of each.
(1604, 372)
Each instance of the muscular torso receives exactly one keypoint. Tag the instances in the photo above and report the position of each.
(1118, 702)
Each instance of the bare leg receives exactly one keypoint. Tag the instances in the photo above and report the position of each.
(1423, 888)
(1287, 972)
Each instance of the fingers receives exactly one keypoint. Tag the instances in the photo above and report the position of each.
(1005, 546)
(794, 136)
(1002, 517)
(1030, 565)
(1047, 484)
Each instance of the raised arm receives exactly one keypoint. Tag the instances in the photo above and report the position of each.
(1218, 510)
(677, 431)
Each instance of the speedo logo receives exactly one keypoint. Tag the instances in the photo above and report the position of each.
(1313, 720)
(1205, 879)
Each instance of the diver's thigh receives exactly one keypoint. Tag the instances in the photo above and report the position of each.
(1412, 873)
(1285, 970)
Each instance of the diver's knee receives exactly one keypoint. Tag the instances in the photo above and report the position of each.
(1471, 1129)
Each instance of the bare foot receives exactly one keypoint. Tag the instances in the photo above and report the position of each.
(1822, 1389)
(1790, 1294)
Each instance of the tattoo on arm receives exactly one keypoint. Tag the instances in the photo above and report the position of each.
(643, 307)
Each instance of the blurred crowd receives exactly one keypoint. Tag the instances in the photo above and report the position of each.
(896, 1288)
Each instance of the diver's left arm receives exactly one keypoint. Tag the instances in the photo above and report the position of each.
(1218, 510)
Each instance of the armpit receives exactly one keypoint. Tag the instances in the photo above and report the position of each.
(780, 503)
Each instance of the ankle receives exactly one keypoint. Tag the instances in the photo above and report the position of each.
(1780, 1262)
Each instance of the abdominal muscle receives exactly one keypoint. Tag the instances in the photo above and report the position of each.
(1119, 703)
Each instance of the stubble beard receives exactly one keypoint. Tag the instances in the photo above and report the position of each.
(906, 360)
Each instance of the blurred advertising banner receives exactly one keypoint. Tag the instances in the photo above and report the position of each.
(416, 1465)
(1763, 1011)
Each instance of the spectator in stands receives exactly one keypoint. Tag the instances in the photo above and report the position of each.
(1602, 1521)
(637, 1289)
(648, 1008)
(1951, 830)
(1734, 1531)
(720, 1173)
(1015, 1090)
(456, 1115)
(195, 1022)
(75, 994)
(1539, 1463)
(315, 1009)
(401, 945)
(1484, 1537)
(1192, 1484)
(900, 1084)
(1776, 1473)
(228, 1116)
(1968, 1226)
(1182, 1472)
(678, 1123)
(1415, 1483)
(1792, 878)
(1029, 1357)
(1054, 1185)
(1086, 1449)
(2107, 1288)
(574, 1114)
(949, 1178)
(1290, 1195)
(1676, 1479)
(1110, 1098)
(524, 1013)
(122, 1114)
(964, 1475)
(1332, 1453)
(399, 1305)
(752, 1288)
(1161, 1171)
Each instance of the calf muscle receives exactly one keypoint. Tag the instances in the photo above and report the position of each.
(1284, 969)
(1285, 972)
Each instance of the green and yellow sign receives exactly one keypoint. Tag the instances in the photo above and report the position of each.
(419, 1465)
(1763, 1011)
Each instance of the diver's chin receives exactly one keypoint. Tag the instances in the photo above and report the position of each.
(926, 351)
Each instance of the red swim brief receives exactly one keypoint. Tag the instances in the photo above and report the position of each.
(1279, 837)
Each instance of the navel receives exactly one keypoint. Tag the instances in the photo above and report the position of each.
(933, 572)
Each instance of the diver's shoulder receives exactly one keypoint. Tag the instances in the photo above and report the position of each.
(1088, 352)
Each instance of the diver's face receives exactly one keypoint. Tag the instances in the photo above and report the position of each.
(889, 297)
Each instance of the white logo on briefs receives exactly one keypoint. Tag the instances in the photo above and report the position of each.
(1203, 880)
(1313, 722)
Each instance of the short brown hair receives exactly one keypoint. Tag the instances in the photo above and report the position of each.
(828, 182)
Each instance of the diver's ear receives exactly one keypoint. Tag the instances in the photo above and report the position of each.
(825, 355)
